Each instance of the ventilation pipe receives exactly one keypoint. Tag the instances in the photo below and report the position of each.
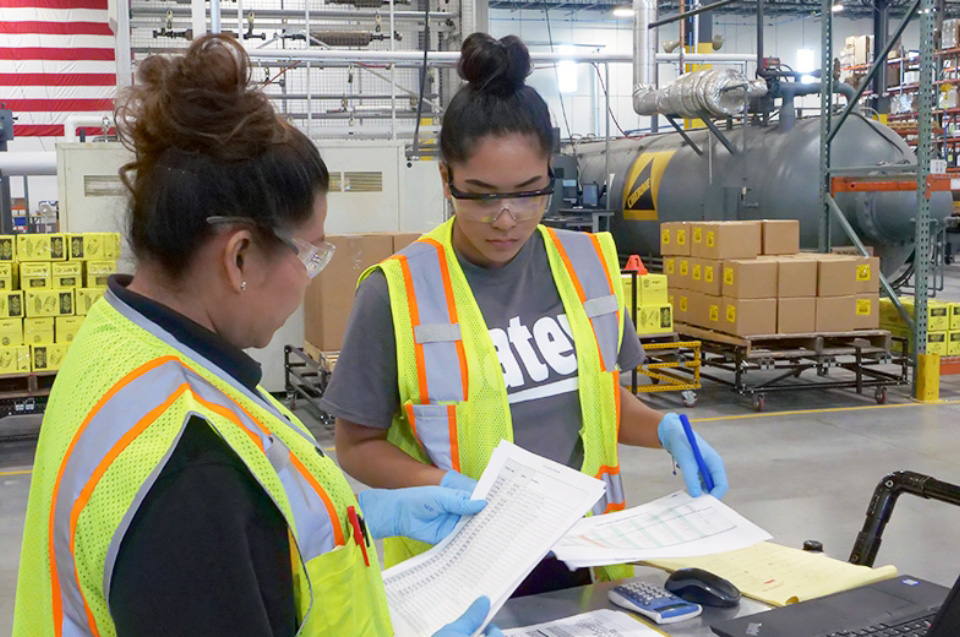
(644, 54)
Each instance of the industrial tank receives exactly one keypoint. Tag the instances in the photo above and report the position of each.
(660, 178)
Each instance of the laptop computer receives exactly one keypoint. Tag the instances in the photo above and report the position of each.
(904, 606)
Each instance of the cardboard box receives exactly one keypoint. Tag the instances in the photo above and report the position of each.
(796, 315)
(11, 304)
(683, 274)
(670, 271)
(836, 275)
(953, 343)
(96, 273)
(47, 358)
(11, 332)
(85, 298)
(781, 237)
(97, 246)
(68, 274)
(653, 289)
(42, 303)
(673, 238)
(709, 311)
(750, 279)
(41, 247)
(868, 312)
(15, 360)
(868, 275)
(938, 314)
(836, 314)
(655, 319)
(726, 240)
(402, 239)
(8, 247)
(954, 316)
(748, 317)
(35, 276)
(329, 297)
(937, 342)
(39, 331)
(67, 328)
(706, 276)
(681, 305)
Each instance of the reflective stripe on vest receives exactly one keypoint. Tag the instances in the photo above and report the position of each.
(118, 418)
(583, 258)
(613, 498)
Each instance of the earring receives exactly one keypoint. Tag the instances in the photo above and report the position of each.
(243, 286)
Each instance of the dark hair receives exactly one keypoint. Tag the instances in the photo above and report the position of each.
(495, 101)
(207, 144)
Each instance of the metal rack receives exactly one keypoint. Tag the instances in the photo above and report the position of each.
(306, 379)
(25, 393)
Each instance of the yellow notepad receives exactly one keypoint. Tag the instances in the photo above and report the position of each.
(781, 575)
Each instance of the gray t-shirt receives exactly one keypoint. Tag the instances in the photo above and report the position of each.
(527, 322)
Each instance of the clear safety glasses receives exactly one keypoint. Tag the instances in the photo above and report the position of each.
(314, 257)
(487, 207)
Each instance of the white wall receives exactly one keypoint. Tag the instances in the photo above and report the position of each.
(601, 31)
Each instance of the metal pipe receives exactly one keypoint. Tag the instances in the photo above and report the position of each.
(644, 48)
(73, 122)
(881, 61)
(790, 90)
(28, 163)
(215, 16)
(688, 14)
(760, 64)
(450, 58)
(359, 14)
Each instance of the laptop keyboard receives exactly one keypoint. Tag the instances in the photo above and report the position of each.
(914, 627)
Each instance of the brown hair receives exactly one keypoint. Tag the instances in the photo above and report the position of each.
(207, 144)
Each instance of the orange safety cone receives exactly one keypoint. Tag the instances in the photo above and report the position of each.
(634, 264)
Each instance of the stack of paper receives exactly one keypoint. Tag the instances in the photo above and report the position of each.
(597, 623)
(673, 526)
(531, 503)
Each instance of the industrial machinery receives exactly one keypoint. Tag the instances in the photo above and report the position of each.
(772, 172)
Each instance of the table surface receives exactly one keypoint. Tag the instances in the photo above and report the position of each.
(536, 609)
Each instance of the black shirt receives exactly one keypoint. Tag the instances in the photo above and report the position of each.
(207, 552)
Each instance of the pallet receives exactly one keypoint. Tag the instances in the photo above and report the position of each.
(33, 385)
(797, 345)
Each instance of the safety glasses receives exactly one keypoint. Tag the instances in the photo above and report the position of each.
(314, 257)
(487, 207)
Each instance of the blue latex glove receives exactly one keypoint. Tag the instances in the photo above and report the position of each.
(427, 514)
(470, 621)
(455, 480)
(674, 440)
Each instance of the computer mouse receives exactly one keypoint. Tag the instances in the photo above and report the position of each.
(702, 587)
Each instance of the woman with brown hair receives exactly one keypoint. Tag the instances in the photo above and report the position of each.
(171, 494)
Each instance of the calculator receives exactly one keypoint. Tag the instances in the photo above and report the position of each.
(654, 602)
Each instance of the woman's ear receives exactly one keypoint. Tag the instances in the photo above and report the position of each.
(445, 177)
(235, 255)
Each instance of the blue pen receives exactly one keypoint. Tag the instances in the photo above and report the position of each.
(701, 465)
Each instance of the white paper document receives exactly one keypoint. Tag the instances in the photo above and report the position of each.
(531, 503)
(673, 526)
(597, 623)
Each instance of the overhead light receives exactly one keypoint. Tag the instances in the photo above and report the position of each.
(837, 8)
(623, 12)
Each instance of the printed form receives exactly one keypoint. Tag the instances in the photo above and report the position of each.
(531, 503)
(676, 525)
(597, 623)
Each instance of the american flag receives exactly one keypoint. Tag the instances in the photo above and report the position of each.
(56, 59)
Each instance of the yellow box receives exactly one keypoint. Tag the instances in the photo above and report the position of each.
(38, 331)
(655, 319)
(67, 275)
(41, 247)
(653, 289)
(85, 298)
(938, 314)
(955, 316)
(953, 343)
(937, 342)
(67, 328)
(97, 273)
(8, 247)
(15, 360)
(11, 304)
(94, 246)
(47, 358)
(35, 276)
(41, 303)
(11, 332)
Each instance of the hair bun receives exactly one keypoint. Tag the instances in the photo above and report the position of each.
(497, 66)
(200, 102)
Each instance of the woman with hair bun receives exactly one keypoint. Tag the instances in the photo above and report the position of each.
(494, 327)
(171, 494)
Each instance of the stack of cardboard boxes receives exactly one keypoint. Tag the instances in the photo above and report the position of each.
(748, 278)
(943, 324)
(48, 282)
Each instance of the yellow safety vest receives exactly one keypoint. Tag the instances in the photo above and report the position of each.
(454, 408)
(119, 405)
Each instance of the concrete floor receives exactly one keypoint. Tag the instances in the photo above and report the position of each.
(803, 470)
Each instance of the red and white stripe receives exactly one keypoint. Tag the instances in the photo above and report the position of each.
(56, 59)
